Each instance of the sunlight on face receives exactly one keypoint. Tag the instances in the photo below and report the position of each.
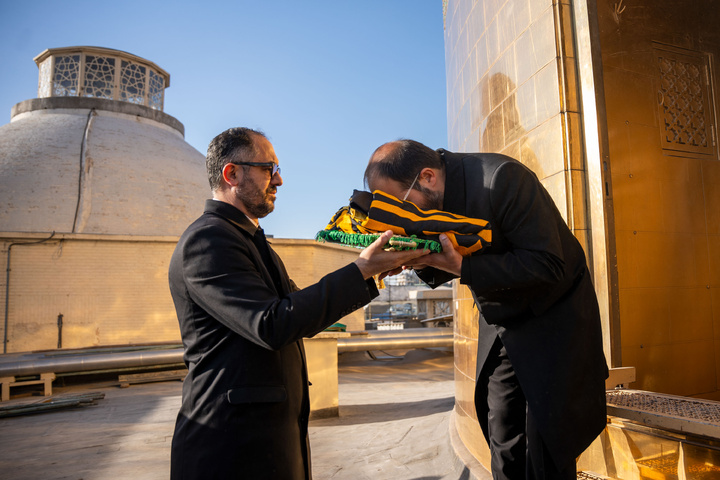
(258, 187)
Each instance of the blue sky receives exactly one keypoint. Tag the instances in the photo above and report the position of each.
(327, 81)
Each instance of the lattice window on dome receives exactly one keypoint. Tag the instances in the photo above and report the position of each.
(99, 77)
(65, 78)
(45, 82)
(156, 94)
(684, 99)
(132, 83)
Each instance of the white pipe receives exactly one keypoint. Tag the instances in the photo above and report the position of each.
(393, 343)
(60, 362)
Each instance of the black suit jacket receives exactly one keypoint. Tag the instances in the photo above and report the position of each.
(245, 403)
(534, 291)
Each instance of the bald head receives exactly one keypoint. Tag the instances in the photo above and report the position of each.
(385, 150)
(409, 171)
(401, 161)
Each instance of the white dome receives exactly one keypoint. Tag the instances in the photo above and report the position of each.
(96, 166)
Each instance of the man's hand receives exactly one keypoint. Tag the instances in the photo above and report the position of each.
(374, 260)
(449, 260)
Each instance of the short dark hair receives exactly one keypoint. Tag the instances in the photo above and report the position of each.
(234, 144)
(401, 161)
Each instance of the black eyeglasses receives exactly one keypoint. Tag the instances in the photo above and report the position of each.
(275, 167)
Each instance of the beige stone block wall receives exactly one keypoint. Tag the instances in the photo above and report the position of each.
(307, 261)
(113, 290)
(110, 292)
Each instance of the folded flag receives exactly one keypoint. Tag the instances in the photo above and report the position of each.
(370, 214)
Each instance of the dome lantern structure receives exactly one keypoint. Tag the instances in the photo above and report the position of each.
(96, 72)
(95, 153)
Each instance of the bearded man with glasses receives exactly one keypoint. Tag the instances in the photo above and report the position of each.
(245, 403)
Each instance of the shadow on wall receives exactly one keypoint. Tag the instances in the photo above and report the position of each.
(503, 127)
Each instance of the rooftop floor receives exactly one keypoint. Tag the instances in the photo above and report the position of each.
(393, 424)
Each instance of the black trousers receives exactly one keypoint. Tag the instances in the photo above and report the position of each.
(517, 449)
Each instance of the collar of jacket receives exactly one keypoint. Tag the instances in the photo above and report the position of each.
(454, 196)
(231, 214)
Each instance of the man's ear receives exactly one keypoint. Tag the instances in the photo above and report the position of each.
(232, 174)
(428, 178)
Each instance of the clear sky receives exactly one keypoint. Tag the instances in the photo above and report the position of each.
(328, 81)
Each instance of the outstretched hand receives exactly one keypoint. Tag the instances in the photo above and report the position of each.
(375, 260)
(449, 260)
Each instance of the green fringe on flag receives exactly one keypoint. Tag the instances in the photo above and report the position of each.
(360, 240)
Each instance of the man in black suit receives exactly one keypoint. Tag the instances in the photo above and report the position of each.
(540, 390)
(245, 402)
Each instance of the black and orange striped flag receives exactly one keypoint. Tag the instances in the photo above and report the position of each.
(374, 213)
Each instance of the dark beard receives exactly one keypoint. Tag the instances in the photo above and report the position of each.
(257, 202)
(261, 210)
(431, 200)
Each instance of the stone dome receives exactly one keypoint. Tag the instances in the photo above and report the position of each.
(98, 156)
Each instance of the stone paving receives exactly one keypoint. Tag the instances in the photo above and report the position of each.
(393, 421)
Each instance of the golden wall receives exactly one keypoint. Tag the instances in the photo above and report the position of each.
(660, 81)
(465, 351)
(613, 105)
(511, 89)
(113, 290)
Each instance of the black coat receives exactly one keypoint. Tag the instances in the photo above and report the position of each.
(245, 402)
(534, 291)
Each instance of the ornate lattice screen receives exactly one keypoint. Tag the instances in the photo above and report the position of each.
(99, 77)
(101, 73)
(684, 102)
